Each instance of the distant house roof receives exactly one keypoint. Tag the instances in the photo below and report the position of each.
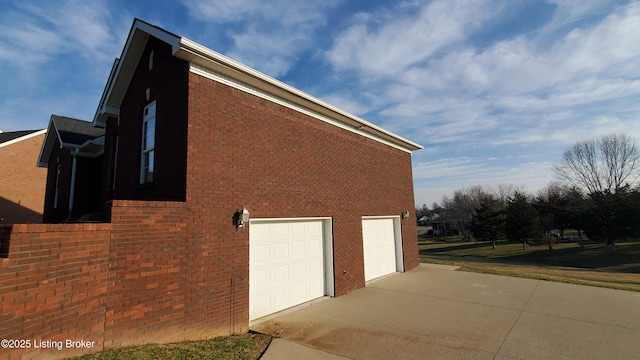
(71, 133)
(12, 137)
(443, 219)
(74, 131)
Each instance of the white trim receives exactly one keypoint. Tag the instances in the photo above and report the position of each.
(145, 150)
(24, 137)
(329, 282)
(215, 76)
(381, 217)
(397, 232)
(289, 219)
(72, 187)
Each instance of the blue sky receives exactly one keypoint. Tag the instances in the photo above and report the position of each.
(494, 90)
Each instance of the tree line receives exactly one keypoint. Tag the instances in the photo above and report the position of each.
(596, 194)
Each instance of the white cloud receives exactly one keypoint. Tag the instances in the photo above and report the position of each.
(35, 32)
(443, 177)
(570, 11)
(529, 89)
(406, 39)
(56, 57)
(267, 35)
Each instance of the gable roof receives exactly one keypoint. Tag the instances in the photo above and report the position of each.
(209, 63)
(12, 137)
(71, 133)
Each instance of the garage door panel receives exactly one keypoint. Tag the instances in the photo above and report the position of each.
(262, 278)
(299, 271)
(379, 247)
(298, 249)
(292, 272)
(278, 230)
(298, 229)
(280, 251)
(299, 293)
(281, 297)
(262, 302)
(280, 274)
(260, 255)
(314, 268)
(313, 248)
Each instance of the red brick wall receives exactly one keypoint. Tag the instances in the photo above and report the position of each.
(244, 150)
(149, 271)
(136, 280)
(53, 287)
(22, 183)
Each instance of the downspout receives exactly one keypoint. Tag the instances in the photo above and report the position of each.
(73, 179)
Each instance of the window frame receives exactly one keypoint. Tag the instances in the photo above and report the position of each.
(147, 148)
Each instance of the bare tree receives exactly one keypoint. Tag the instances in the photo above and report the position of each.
(463, 205)
(601, 165)
(502, 192)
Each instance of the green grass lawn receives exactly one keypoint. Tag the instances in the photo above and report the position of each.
(625, 257)
(236, 347)
(587, 263)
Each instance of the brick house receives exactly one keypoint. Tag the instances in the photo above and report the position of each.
(192, 125)
(192, 140)
(22, 184)
(72, 153)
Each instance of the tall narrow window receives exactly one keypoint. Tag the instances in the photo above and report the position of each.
(148, 143)
(55, 196)
(151, 54)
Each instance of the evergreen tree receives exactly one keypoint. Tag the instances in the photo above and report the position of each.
(521, 219)
(487, 223)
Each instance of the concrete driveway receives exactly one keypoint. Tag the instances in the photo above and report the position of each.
(433, 312)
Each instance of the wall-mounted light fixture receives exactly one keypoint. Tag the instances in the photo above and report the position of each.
(405, 215)
(243, 217)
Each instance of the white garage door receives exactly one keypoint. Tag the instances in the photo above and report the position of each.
(286, 264)
(379, 246)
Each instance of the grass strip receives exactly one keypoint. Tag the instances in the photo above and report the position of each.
(249, 346)
(535, 276)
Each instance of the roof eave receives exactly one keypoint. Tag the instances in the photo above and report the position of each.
(203, 56)
(125, 66)
(22, 138)
(47, 144)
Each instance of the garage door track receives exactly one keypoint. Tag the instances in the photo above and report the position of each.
(436, 313)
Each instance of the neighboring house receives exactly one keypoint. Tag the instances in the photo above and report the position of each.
(445, 225)
(22, 184)
(72, 153)
(329, 195)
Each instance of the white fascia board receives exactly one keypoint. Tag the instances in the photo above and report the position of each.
(47, 144)
(22, 138)
(214, 64)
(125, 66)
